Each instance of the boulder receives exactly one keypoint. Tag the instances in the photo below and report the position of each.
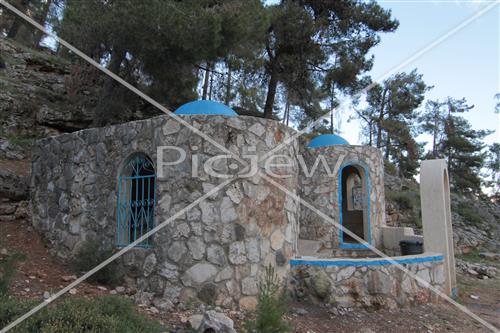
(321, 284)
(216, 322)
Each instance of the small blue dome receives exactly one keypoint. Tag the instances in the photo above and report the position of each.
(327, 140)
(205, 107)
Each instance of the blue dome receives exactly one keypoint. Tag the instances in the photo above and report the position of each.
(205, 107)
(327, 140)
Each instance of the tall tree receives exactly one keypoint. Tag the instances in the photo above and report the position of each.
(167, 39)
(308, 41)
(457, 142)
(493, 167)
(390, 117)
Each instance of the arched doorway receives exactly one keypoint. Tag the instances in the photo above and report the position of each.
(136, 199)
(354, 206)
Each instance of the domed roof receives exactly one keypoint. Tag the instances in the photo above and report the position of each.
(205, 107)
(327, 140)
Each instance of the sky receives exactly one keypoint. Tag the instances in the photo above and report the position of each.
(467, 64)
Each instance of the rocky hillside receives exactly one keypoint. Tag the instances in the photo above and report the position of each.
(476, 222)
(41, 95)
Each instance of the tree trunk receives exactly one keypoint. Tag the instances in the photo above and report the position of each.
(206, 82)
(271, 91)
(18, 22)
(370, 134)
(332, 96)
(228, 86)
(387, 144)
(434, 135)
(286, 116)
(211, 85)
(381, 119)
(38, 35)
(106, 108)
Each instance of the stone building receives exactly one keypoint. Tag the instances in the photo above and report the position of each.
(117, 183)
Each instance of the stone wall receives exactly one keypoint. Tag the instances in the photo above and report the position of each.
(216, 251)
(322, 191)
(368, 284)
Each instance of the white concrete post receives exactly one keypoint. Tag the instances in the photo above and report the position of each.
(436, 217)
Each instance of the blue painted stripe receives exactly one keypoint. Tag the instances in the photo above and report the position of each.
(360, 263)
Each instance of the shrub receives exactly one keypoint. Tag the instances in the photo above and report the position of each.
(271, 306)
(7, 270)
(92, 254)
(104, 314)
(390, 168)
(405, 199)
(469, 214)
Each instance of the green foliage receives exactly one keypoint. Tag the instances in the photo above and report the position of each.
(408, 201)
(469, 214)
(7, 270)
(74, 315)
(90, 255)
(314, 49)
(271, 306)
(22, 141)
(493, 167)
(390, 168)
(403, 199)
(11, 308)
(456, 141)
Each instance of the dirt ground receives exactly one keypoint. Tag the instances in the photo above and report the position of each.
(39, 273)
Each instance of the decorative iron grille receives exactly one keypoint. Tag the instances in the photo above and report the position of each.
(136, 200)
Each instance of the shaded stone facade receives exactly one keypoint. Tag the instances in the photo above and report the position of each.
(322, 191)
(216, 250)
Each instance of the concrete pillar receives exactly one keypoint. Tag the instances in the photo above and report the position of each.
(436, 217)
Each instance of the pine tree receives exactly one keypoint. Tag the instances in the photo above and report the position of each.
(456, 141)
(390, 119)
(314, 46)
(493, 167)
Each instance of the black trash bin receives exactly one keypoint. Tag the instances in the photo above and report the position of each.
(409, 247)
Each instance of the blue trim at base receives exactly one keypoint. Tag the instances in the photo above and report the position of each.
(364, 262)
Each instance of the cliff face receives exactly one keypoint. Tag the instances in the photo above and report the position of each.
(42, 94)
(33, 95)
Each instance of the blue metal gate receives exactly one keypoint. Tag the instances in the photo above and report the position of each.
(136, 200)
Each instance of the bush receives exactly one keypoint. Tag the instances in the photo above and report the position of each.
(92, 254)
(7, 270)
(404, 199)
(469, 214)
(271, 306)
(390, 168)
(12, 308)
(104, 314)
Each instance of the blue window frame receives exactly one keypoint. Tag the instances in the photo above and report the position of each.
(136, 200)
(362, 172)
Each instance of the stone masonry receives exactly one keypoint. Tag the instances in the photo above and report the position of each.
(216, 250)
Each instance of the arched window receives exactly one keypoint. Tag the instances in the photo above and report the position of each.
(354, 205)
(136, 199)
